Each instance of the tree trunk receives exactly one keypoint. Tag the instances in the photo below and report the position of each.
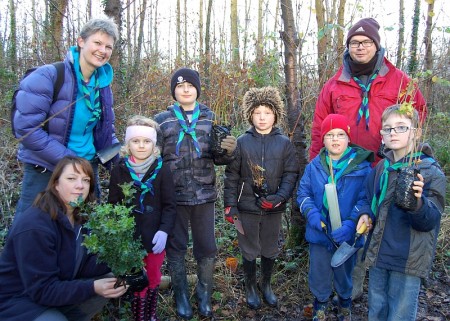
(235, 59)
(208, 44)
(428, 52)
(137, 56)
(12, 52)
(54, 44)
(259, 39)
(401, 34)
(340, 34)
(200, 29)
(321, 42)
(178, 36)
(185, 53)
(413, 62)
(294, 108)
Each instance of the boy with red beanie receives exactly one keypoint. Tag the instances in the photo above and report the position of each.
(350, 164)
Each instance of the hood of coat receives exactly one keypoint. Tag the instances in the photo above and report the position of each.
(267, 96)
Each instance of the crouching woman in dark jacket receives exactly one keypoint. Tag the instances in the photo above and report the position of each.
(45, 272)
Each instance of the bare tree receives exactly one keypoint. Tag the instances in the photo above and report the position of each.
(57, 9)
(413, 62)
(428, 50)
(259, 40)
(340, 33)
(235, 59)
(401, 34)
(294, 108)
(12, 51)
(178, 35)
(200, 29)
(186, 55)
(138, 50)
(208, 43)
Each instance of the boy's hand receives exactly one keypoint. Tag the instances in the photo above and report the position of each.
(346, 233)
(418, 188)
(230, 212)
(269, 202)
(364, 219)
(229, 143)
(314, 220)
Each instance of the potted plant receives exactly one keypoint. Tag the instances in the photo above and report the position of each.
(111, 238)
(407, 173)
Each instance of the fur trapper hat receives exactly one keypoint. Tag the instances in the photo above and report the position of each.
(267, 96)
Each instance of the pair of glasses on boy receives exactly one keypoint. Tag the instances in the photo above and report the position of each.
(397, 130)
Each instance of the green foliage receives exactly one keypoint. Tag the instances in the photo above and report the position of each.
(111, 235)
(266, 71)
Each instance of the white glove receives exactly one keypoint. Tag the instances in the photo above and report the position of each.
(159, 240)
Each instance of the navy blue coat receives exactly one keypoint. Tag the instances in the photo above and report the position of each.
(37, 266)
(349, 189)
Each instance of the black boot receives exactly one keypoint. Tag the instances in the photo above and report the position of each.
(177, 270)
(251, 295)
(138, 307)
(266, 276)
(205, 271)
(152, 304)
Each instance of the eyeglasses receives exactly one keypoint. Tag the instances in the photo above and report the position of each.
(337, 136)
(397, 130)
(365, 43)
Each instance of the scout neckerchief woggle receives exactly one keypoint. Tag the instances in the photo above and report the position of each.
(185, 129)
(95, 108)
(364, 107)
(339, 167)
(146, 186)
(380, 191)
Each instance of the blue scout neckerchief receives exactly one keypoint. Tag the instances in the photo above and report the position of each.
(146, 186)
(339, 167)
(364, 107)
(96, 111)
(185, 129)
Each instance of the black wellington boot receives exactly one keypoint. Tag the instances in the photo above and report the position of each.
(266, 276)
(251, 295)
(205, 271)
(178, 276)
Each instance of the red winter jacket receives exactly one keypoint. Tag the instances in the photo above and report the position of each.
(342, 95)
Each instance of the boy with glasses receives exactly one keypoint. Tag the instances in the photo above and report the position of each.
(365, 85)
(347, 166)
(401, 243)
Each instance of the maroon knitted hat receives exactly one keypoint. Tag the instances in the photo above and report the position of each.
(333, 121)
(365, 27)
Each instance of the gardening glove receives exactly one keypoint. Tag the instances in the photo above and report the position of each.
(230, 212)
(159, 240)
(270, 201)
(314, 219)
(229, 143)
(346, 233)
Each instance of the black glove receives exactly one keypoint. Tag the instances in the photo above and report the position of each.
(230, 212)
(269, 202)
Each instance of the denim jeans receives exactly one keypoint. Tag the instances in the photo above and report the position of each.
(322, 277)
(393, 296)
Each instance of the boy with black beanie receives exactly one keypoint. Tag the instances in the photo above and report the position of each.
(186, 147)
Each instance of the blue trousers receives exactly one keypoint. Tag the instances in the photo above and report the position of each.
(322, 277)
(393, 296)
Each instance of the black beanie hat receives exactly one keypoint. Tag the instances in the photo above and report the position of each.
(185, 75)
(365, 27)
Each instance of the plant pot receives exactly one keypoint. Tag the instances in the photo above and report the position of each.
(404, 194)
(136, 281)
(218, 133)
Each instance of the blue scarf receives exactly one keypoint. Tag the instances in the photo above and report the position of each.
(364, 107)
(185, 129)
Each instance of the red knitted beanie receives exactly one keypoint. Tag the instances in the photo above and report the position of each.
(333, 121)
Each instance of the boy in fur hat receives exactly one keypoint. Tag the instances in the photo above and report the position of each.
(258, 184)
(350, 165)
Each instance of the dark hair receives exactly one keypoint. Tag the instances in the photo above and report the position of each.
(49, 200)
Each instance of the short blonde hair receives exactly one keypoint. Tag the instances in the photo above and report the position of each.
(139, 120)
(397, 109)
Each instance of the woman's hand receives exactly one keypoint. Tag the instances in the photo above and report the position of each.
(105, 288)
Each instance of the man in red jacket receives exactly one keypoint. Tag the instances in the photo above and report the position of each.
(365, 85)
